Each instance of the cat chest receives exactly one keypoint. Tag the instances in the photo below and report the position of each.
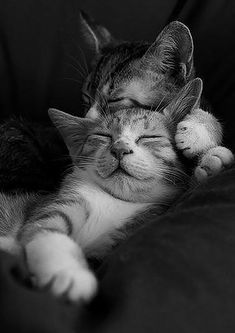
(106, 215)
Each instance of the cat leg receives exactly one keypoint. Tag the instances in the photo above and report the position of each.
(198, 132)
(56, 260)
(212, 162)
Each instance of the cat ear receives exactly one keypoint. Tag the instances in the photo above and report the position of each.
(185, 101)
(172, 49)
(97, 36)
(74, 130)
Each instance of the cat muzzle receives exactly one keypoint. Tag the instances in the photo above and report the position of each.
(120, 149)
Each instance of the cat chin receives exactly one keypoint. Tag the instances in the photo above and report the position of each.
(130, 189)
(124, 175)
(159, 192)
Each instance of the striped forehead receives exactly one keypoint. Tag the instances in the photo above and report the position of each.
(136, 121)
(138, 89)
(116, 59)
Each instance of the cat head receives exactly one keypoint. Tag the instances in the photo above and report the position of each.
(136, 74)
(129, 154)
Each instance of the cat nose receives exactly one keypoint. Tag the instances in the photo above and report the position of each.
(120, 149)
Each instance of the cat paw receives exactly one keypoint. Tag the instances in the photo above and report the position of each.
(73, 283)
(213, 162)
(192, 138)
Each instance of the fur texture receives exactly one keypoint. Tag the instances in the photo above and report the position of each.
(124, 155)
(125, 163)
(147, 75)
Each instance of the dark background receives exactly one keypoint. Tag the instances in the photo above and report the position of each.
(176, 274)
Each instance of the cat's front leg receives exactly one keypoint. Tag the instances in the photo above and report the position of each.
(55, 260)
(197, 133)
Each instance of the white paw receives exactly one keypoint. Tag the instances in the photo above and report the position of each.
(213, 162)
(192, 138)
(74, 283)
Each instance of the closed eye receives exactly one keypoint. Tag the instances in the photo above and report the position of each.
(140, 105)
(105, 135)
(130, 102)
(115, 100)
(150, 137)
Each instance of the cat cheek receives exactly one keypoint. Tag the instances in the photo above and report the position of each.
(106, 164)
(93, 146)
(168, 154)
(87, 151)
(143, 155)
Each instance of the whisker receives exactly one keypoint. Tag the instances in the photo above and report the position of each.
(104, 113)
(71, 79)
(83, 56)
(84, 74)
(174, 171)
(156, 109)
(77, 69)
(68, 169)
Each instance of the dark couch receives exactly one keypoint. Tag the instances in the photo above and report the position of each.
(176, 273)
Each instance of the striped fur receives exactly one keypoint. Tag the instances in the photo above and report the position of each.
(125, 163)
(136, 73)
(140, 74)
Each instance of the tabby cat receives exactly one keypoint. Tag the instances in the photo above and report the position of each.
(124, 157)
(139, 74)
(124, 163)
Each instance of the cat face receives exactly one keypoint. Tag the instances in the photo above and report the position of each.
(129, 75)
(130, 154)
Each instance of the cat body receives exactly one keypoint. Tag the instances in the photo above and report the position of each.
(125, 159)
(124, 163)
(87, 213)
(81, 213)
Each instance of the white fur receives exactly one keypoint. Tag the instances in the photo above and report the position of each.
(107, 214)
(193, 138)
(9, 244)
(200, 135)
(93, 112)
(211, 163)
(56, 259)
(137, 90)
(105, 88)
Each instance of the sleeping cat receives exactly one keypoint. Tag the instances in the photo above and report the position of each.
(139, 74)
(124, 163)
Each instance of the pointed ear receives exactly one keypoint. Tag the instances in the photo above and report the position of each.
(186, 100)
(74, 130)
(172, 49)
(98, 37)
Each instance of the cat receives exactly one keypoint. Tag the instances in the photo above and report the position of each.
(124, 164)
(130, 74)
